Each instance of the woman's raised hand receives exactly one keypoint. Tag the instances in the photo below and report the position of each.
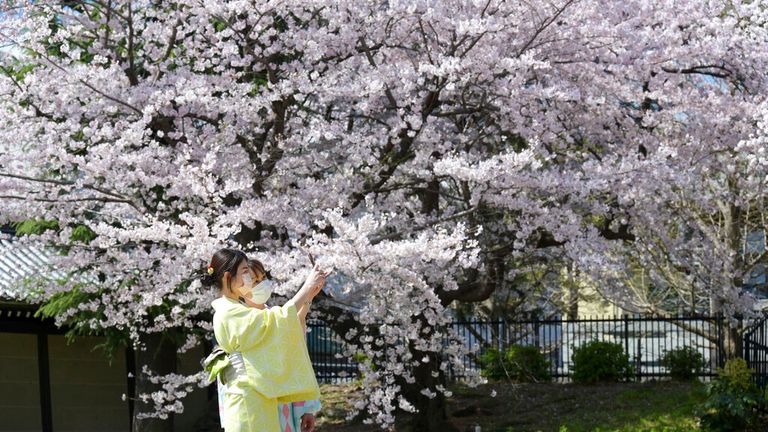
(316, 280)
(312, 286)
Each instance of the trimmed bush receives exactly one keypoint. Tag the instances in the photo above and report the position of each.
(519, 363)
(734, 402)
(598, 361)
(683, 364)
(492, 365)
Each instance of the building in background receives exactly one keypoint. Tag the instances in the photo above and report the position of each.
(50, 384)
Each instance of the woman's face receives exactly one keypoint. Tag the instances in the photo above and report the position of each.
(238, 283)
(258, 274)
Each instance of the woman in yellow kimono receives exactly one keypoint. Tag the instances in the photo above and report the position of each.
(293, 416)
(267, 360)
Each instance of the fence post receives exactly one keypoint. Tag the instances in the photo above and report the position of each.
(626, 335)
(639, 360)
(746, 353)
(720, 342)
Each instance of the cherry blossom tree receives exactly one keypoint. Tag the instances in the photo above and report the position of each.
(700, 231)
(428, 151)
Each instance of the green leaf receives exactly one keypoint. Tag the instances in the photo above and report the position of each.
(35, 226)
(82, 234)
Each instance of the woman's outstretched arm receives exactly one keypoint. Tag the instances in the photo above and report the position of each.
(310, 288)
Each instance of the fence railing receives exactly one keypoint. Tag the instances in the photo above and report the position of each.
(325, 350)
(645, 339)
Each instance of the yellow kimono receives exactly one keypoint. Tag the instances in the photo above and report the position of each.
(271, 359)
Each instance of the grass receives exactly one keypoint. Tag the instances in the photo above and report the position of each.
(653, 408)
(627, 407)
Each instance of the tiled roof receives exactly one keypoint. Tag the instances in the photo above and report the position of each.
(18, 260)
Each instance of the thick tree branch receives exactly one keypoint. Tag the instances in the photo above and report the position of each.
(400, 235)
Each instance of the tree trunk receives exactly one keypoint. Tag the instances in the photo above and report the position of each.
(734, 342)
(432, 414)
(159, 356)
(733, 222)
(430, 196)
(572, 308)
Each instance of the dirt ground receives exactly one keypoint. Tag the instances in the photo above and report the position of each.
(503, 406)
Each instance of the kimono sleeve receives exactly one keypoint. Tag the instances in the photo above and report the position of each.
(240, 328)
(262, 327)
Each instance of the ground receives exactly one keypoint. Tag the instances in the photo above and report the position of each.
(626, 407)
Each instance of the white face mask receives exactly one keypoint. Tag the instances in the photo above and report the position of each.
(262, 291)
(259, 293)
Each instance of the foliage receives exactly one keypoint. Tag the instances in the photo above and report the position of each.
(734, 402)
(35, 226)
(600, 361)
(82, 324)
(684, 363)
(519, 363)
(492, 364)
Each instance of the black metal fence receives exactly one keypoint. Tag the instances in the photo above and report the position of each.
(645, 339)
(325, 351)
(756, 350)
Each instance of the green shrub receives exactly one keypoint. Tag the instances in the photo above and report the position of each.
(519, 363)
(599, 361)
(683, 364)
(492, 365)
(736, 374)
(734, 402)
(527, 364)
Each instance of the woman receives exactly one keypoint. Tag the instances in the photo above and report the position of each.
(294, 416)
(267, 361)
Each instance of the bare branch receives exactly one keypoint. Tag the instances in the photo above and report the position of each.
(398, 235)
(544, 26)
(75, 200)
(115, 196)
(372, 62)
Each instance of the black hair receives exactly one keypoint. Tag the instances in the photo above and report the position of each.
(257, 266)
(223, 261)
